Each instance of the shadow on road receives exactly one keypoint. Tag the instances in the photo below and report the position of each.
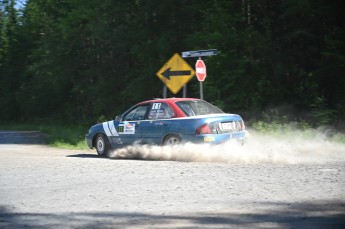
(84, 155)
(287, 215)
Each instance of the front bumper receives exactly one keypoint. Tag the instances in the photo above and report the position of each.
(88, 140)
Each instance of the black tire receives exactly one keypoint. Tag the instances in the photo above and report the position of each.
(172, 140)
(102, 145)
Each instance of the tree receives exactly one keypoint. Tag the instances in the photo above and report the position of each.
(11, 64)
(79, 60)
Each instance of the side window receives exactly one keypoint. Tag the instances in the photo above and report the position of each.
(137, 113)
(187, 109)
(160, 111)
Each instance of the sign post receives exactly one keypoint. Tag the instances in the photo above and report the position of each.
(201, 90)
(165, 92)
(200, 69)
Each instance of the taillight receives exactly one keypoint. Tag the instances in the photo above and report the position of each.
(243, 125)
(204, 129)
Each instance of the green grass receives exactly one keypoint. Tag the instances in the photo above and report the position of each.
(60, 136)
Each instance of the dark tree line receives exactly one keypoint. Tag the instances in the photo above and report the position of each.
(79, 60)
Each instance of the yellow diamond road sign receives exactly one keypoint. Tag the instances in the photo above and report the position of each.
(175, 73)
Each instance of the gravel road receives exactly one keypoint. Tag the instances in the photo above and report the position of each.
(43, 187)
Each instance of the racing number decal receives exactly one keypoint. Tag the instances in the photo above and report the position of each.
(121, 129)
(109, 129)
(156, 106)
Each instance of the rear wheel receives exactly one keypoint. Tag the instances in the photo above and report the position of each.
(102, 145)
(172, 140)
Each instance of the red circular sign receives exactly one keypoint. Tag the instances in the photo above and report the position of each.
(200, 70)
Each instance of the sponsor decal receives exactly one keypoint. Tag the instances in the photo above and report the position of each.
(126, 128)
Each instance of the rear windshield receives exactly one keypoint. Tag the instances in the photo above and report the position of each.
(198, 107)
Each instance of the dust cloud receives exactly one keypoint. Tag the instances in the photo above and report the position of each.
(259, 148)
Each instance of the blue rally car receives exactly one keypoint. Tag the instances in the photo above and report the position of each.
(166, 122)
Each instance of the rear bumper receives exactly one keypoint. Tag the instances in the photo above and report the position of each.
(215, 138)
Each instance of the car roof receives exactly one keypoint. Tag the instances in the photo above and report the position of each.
(168, 100)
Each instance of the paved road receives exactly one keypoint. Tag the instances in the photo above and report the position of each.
(42, 187)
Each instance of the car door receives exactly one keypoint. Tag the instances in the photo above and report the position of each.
(129, 128)
(157, 124)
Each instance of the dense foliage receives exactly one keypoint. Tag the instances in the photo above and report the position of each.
(85, 60)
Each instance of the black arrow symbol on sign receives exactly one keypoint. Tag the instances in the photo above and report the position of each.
(167, 73)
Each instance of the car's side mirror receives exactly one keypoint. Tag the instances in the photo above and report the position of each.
(118, 118)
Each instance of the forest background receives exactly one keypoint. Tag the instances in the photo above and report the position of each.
(83, 61)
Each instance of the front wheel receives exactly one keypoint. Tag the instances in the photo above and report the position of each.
(102, 145)
(172, 140)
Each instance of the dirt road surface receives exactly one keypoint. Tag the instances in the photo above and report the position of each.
(43, 187)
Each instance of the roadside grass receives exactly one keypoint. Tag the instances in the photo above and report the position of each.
(66, 137)
(59, 136)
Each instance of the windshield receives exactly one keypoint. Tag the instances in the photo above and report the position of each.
(198, 107)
